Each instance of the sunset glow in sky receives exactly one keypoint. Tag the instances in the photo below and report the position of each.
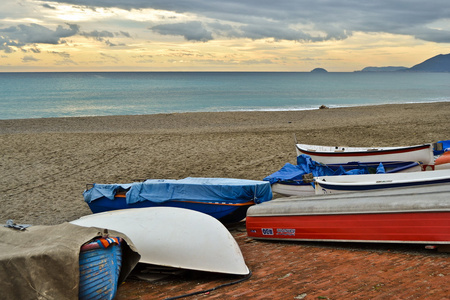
(226, 35)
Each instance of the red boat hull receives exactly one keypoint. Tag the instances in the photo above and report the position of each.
(404, 227)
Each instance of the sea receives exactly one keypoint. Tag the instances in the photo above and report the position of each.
(55, 95)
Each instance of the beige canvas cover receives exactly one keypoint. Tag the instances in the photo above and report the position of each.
(42, 262)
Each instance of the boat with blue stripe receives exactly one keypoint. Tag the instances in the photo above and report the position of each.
(354, 183)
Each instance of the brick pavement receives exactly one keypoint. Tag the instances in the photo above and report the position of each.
(296, 270)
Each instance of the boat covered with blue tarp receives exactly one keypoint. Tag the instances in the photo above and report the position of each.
(226, 199)
(294, 174)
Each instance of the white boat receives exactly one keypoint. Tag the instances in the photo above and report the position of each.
(288, 187)
(288, 190)
(341, 155)
(175, 237)
(354, 183)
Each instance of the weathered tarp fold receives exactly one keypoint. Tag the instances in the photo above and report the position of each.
(42, 262)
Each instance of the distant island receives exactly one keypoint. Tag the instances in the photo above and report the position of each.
(438, 63)
(319, 70)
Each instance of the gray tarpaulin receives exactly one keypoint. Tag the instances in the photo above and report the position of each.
(42, 262)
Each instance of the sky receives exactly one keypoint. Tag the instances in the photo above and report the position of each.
(225, 35)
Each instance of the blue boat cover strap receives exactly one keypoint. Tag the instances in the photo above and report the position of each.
(190, 188)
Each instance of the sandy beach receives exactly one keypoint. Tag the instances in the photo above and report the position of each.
(46, 163)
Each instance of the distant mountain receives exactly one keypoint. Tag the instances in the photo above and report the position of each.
(439, 63)
(383, 69)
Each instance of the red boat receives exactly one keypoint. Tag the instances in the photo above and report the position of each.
(418, 215)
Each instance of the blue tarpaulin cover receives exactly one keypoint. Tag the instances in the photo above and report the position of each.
(445, 146)
(293, 174)
(195, 189)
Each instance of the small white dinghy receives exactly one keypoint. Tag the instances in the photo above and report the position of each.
(366, 182)
(175, 237)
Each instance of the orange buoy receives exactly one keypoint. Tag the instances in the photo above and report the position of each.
(443, 161)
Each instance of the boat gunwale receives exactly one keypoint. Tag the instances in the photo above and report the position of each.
(381, 181)
(434, 180)
(326, 213)
(352, 241)
(368, 152)
(431, 198)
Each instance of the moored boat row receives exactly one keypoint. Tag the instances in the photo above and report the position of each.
(322, 162)
(383, 207)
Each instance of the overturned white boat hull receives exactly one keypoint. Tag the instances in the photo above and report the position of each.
(175, 237)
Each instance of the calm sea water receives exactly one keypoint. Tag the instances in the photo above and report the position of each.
(42, 95)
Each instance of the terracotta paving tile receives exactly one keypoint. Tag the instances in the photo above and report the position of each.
(296, 270)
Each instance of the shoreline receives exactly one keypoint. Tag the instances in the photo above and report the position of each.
(46, 163)
(320, 107)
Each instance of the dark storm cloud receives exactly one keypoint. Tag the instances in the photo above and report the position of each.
(327, 19)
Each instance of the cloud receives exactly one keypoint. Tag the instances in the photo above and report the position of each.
(102, 36)
(21, 35)
(125, 34)
(45, 5)
(144, 58)
(8, 45)
(64, 55)
(28, 58)
(301, 20)
(109, 57)
(98, 35)
(191, 31)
